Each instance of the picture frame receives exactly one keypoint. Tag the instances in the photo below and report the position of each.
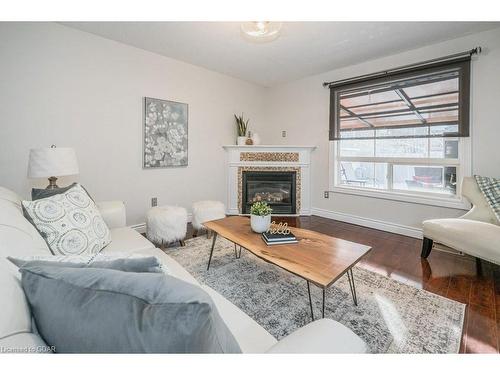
(165, 134)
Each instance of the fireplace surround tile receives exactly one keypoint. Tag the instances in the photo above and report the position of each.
(268, 158)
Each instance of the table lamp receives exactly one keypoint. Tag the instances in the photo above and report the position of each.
(52, 162)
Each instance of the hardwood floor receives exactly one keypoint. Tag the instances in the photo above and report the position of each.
(452, 276)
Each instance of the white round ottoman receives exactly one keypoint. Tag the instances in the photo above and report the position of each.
(204, 211)
(166, 224)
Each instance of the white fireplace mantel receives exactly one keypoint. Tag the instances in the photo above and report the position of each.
(267, 147)
(268, 157)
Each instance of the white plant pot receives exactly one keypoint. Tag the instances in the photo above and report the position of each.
(260, 224)
(241, 141)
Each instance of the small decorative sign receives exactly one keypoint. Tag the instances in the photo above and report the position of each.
(279, 234)
(280, 228)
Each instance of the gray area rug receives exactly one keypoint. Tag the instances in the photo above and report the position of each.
(391, 317)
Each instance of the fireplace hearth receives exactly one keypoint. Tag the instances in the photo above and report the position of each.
(277, 188)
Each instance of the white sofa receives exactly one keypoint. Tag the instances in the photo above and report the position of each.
(19, 238)
(476, 233)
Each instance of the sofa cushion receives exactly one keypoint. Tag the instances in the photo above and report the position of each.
(7, 195)
(251, 337)
(322, 337)
(70, 222)
(170, 265)
(124, 312)
(113, 213)
(15, 316)
(18, 241)
(17, 235)
(472, 237)
(126, 240)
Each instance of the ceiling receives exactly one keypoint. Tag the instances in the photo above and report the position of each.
(303, 48)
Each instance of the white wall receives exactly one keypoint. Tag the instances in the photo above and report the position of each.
(302, 109)
(66, 87)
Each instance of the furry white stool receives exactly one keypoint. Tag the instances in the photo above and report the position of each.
(166, 224)
(205, 211)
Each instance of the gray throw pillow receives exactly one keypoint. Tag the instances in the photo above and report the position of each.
(90, 310)
(143, 264)
(37, 193)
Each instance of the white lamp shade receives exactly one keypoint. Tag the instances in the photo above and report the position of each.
(52, 162)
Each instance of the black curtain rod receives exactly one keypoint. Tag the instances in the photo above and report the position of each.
(474, 51)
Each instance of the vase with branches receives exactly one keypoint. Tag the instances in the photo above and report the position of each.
(241, 128)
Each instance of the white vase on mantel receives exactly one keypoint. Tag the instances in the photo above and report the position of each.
(256, 139)
(241, 141)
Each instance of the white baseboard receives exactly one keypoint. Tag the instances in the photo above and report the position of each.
(302, 213)
(370, 223)
(352, 219)
(141, 227)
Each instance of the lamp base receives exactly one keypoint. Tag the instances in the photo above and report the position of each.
(52, 183)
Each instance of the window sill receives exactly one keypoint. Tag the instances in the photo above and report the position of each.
(404, 197)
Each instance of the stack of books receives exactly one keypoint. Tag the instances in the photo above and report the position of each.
(278, 238)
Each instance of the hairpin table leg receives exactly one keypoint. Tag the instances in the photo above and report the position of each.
(350, 277)
(310, 300)
(324, 291)
(212, 250)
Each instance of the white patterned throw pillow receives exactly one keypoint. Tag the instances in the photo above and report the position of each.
(69, 222)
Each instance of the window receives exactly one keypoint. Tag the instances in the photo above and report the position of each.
(403, 136)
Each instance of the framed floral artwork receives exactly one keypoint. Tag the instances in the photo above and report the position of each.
(165, 134)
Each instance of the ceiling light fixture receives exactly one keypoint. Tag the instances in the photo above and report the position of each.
(261, 31)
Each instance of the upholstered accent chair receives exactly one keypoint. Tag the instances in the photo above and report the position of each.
(476, 233)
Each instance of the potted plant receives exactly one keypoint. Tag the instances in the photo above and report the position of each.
(260, 217)
(241, 127)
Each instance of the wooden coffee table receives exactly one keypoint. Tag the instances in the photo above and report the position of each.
(318, 258)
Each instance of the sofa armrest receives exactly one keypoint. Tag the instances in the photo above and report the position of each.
(113, 213)
(321, 336)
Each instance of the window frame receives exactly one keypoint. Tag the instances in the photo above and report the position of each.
(462, 164)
